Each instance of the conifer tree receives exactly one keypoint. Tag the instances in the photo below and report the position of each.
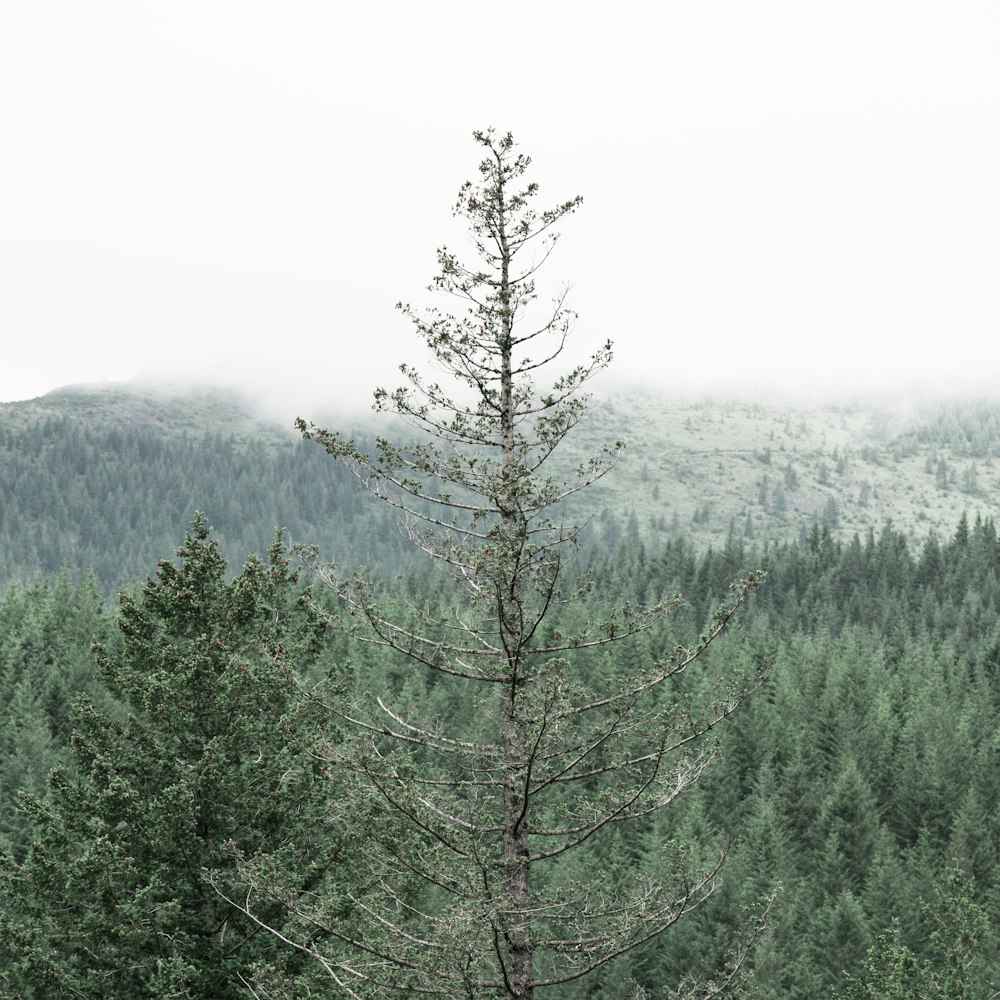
(893, 972)
(483, 897)
(210, 753)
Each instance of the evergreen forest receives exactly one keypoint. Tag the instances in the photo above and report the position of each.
(851, 786)
(250, 735)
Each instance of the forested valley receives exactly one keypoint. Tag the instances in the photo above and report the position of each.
(862, 773)
(254, 774)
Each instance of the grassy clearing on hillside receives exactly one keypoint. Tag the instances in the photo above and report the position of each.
(770, 470)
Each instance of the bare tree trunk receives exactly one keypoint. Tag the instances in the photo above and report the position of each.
(520, 946)
(520, 974)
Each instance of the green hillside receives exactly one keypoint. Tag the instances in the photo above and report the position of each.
(107, 478)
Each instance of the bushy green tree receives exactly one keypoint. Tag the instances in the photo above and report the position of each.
(210, 753)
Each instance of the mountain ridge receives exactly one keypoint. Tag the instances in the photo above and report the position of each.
(114, 472)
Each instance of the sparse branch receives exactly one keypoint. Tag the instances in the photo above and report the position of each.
(683, 657)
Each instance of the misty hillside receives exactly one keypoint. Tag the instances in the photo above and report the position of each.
(107, 478)
(768, 470)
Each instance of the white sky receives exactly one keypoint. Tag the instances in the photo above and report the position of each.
(784, 192)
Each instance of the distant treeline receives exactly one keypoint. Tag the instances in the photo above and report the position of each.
(114, 499)
(108, 481)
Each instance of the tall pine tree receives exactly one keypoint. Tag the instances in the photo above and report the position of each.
(546, 759)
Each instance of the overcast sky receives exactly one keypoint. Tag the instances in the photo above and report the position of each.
(793, 193)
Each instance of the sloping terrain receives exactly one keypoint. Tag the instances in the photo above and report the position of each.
(108, 477)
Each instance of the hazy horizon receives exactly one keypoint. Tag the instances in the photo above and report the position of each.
(775, 196)
(275, 408)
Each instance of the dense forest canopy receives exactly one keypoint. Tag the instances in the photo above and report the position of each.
(864, 772)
